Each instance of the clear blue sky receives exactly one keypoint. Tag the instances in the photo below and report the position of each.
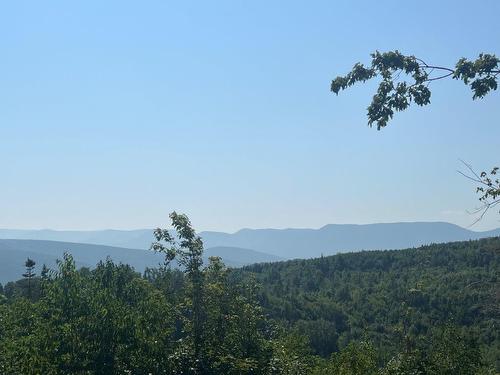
(114, 113)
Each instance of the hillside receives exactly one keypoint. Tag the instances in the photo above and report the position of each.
(283, 243)
(379, 294)
(13, 254)
(434, 307)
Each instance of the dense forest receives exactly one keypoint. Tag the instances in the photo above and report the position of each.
(430, 310)
(391, 298)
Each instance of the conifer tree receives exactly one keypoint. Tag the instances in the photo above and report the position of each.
(30, 273)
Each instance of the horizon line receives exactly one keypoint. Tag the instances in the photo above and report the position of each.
(248, 228)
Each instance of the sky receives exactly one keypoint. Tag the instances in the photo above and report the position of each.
(115, 113)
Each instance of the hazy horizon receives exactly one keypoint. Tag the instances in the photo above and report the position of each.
(114, 114)
(471, 228)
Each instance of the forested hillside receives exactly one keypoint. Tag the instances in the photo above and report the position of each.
(432, 310)
(388, 296)
(13, 253)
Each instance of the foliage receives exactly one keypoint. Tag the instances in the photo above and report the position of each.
(389, 298)
(405, 79)
(30, 273)
(365, 313)
(488, 189)
(188, 252)
(356, 358)
(107, 321)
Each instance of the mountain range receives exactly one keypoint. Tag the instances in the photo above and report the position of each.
(237, 249)
(335, 238)
(283, 243)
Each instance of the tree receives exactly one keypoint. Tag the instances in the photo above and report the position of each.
(395, 93)
(44, 274)
(29, 274)
(356, 359)
(235, 339)
(187, 249)
(223, 329)
(3, 299)
(488, 189)
(406, 79)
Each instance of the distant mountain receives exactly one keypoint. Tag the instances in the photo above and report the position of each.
(133, 239)
(334, 238)
(284, 243)
(237, 257)
(13, 254)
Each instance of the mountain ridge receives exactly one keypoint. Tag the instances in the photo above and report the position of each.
(284, 243)
(14, 252)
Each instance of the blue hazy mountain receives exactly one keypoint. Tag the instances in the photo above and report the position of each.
(236, 256)
(13, 254)
(284, 243)
(133, 239)
(334, 238)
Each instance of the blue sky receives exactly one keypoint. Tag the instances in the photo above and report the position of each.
(114, 113)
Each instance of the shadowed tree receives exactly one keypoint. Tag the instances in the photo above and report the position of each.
(30, 273)
(405, 79)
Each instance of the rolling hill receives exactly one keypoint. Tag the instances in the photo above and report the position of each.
(13, 254)
(283, 243)
(371, 295)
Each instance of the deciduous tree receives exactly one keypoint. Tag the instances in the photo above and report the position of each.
(406, 79)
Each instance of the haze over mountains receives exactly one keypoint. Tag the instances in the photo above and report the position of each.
(283, 243)
(334, 238)
(14, 252)
(236, 249)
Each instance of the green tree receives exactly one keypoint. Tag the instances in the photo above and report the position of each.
(450, 353)
(292, 356)
(223, 328)
(393, 299)
(21, 340)
(187, 249)
(30, 273)
(355, 359)
(235, 329)
(105, 321)
(405, 79)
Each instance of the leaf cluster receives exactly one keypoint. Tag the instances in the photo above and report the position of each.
(406, 78)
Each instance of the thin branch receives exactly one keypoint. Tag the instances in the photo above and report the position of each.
(469, 177)
(437, 67)
(440, 77)
(479, 179)
(486, 203)
(485, 209)
(422, 61)
(427, 66)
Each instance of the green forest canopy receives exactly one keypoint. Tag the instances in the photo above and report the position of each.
(429, 310)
